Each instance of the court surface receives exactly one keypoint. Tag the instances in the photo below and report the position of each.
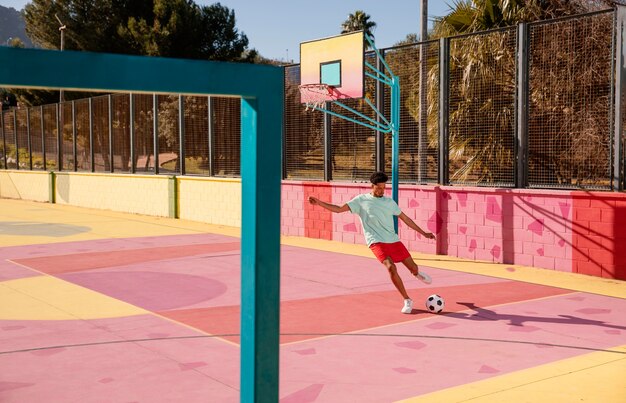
(104, 306)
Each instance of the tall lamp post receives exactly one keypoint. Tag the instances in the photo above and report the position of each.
(62, 29)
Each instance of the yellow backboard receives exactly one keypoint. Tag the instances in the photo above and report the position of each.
(336, 61)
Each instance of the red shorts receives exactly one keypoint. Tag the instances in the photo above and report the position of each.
(396, 251)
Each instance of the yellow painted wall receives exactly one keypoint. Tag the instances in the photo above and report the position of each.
(140, 194)
(25, 185)
(211, 200)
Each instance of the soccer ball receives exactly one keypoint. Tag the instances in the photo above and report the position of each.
(435, 303)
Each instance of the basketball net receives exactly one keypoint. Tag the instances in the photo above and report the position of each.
(314, 95)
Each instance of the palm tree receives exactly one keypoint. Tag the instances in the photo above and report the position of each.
(359, 21)
(482, 90)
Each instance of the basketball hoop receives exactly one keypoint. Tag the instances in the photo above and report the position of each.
(314, 95)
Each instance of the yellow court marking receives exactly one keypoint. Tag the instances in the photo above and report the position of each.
(594, 377)
(49, 298)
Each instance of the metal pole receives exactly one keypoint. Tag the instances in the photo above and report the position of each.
(619, 160)
(17, 148)
(4, 142)
(111, 160)
(43, 138)
(59, 139)
(423, 111)
(260, 246)
(30, 145)
(131, 128)
(155, 129)
(211, 133)
(424, 21)
(62, 29)
(284, 132)
(395, 137)
(444, 67)
(74, 147)
(380, 105)
(328, 145)
(91, 150)
(181, 134)
(521, 177)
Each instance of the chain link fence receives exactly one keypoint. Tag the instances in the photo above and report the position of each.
(482, 109)
(417, 67)
(559, 121)
(570, 102)
(304, 134)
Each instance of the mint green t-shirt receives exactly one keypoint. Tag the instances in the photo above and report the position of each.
(376, 214)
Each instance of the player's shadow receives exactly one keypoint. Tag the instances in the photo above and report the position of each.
(482, 314)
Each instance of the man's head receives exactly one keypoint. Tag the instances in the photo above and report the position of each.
(379, 180)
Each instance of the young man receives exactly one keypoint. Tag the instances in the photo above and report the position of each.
(376, 212)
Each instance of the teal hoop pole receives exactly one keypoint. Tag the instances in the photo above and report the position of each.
(395, 142)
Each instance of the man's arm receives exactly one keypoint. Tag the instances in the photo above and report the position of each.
(328, 206)
(407, 220)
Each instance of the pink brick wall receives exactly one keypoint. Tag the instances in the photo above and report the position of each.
(558, 230)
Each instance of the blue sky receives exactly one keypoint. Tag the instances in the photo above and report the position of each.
(276, 28)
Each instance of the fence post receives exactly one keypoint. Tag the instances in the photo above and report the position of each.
(43, 138)
(423, 113)
(111, 160)
(283, 135)
(521, 109)
(59, 138)
(4, 142)
(155, 129)
(91, 150)
(380, 105)
(619, 161)
(181, 134)
(30, 144)
(131, 129)
(328, 146)
(17, 146)
(444, 89)
(74, 147)
(211, 134)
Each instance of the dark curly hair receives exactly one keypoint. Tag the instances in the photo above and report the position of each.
(378, 177)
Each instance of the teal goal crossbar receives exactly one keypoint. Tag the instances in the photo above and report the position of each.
(261, 90)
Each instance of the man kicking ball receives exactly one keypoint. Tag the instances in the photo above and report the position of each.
(376, 212)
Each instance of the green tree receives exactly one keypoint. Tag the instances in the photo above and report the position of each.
(408, 40)
(12, 26)
(166, 28)
(359, 21)
(179, 28)
(16, 43)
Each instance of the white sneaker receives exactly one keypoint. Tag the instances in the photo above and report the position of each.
(423, 277)
(408, 306)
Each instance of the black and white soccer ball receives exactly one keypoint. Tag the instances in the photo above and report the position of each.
(435, 303)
